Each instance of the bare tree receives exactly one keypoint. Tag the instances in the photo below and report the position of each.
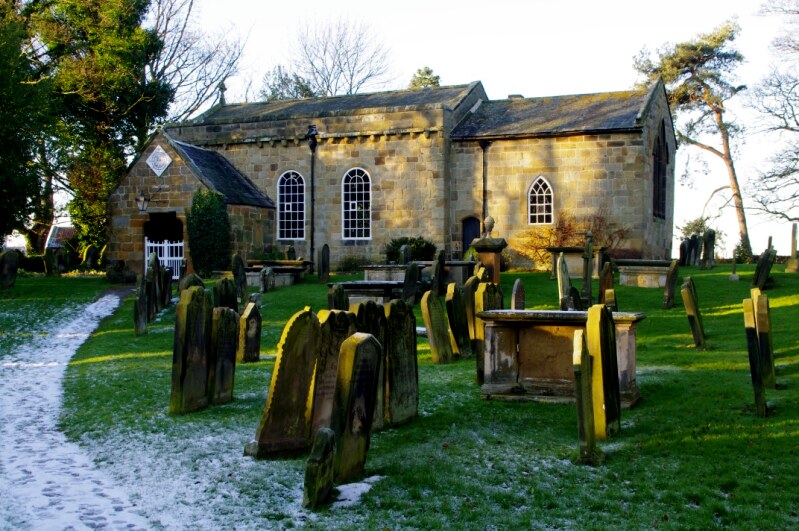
(787, 43)
(340, 58)
(191, 62)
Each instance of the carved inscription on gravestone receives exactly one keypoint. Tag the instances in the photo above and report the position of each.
(334, 327)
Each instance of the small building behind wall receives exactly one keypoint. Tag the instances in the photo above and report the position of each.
(148, 207)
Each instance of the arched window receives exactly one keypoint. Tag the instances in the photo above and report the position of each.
(539, 203)
(356, 205)
(660, 163)
(291, 206)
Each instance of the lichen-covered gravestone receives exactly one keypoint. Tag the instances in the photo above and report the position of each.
(239, 277)
(370, 318)
(222, 358)
(285, 427)
(565, 290)
(337, 298)
(437, 331)
(404, 254)
(671, 284)
(600, 338)
(192, 340)
(334, 327)
(763, 326)
(410, 283)
(458, 322)
(249, 345)
(756, 368)
(517, 295)
(140, 315)
(225, 294)
(187, 281)
(401, 371)
(691, 302)
(318, 487)
(354, 403)
(583, 373)
(469, 289)
(267, 277)
(606, 281)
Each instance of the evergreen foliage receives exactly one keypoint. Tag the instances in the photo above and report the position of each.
(208, 227)
(421, 249)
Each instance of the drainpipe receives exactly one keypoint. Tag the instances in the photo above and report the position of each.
(484, 213)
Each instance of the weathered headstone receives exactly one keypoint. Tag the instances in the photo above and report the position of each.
(222, 355)
(693, 250)
(588, 269)
(225, 294)
(564, 285)
(600, 336)
(404, 254)
(436, 277)
(469, 289)
(187, 281)
(610, 300)
(691, 303)
(401, 372)
(318, 487)
(517, 295)
(323, 270)
(606, 281)
(140, 316)
(291, 253)
(239, 278)
(481, 272)
(733, 274)
(458, 321)
(192, 340)
(370, 318)
(671, 284)
(437, 331)
(763, 268)
(410, 283)
(792, 265)
(441, 274)
(152, 277)
(334, 327)
(763, 325)
(249, 345)
(354, 403)
(337, 298)
(582, 362)
(684, 246)
(487, 297)
(755, 358)
(267, 277)
(166, 286)
(89, 257)
(284, 429)
(709, 249)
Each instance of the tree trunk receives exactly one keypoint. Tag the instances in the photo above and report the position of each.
(737, 199)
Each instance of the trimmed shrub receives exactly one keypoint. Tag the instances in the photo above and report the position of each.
(208, 227)
(421, 249)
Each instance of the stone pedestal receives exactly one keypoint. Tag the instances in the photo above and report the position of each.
(489, 253)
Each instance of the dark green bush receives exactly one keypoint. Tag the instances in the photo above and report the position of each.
(421, 249)
(208, 227)
(352, 264)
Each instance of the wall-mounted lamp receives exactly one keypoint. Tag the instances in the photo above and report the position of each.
(142, 201)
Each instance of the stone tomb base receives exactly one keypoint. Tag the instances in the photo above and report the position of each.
(528, 354)
(644, 273)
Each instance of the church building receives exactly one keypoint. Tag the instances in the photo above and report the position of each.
(357, 171)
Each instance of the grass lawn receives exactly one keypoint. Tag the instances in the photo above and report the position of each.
(692, 454)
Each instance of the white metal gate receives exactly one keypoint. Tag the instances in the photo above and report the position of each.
(170, 254)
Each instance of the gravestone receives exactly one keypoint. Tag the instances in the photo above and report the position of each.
(582, 362)
(763, 268)
(441, 273)
(89, 258)
(708, 249)
(50, 263)
(401, 371)
(517, 296)
(691, 303)
(225, 294)
(337, 298)
(267, 277)
(458, 321)
(318, 486)
(469, 289)
(481, 272)
(671, 285)
(410, 283)
(792, 265)
(487, 297)
(600, 337)
(404, 254)
(610, 300)
(587, 295)
(756, 365)
(166, 286)
(436, 277)
(684, 245)
(291, 253)
(284, 428)
(239, 278)
(606, 281)
(140, 316)
(763, 326)
(334, 327)
(249, 346)
(437, 331)
(152, 277)
(324, 264)
(733, 274)
(570, 298)
(354, 403)
(222, 355)
(192, 340)
(370, 318)
(187, 281)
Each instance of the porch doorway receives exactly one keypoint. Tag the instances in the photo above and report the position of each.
(163, 235)
(470, 228)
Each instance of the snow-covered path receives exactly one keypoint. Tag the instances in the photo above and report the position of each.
(47, 482)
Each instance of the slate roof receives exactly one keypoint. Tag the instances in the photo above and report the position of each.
(218, 174)
(438, 97)
(556, 115)
(58, 236)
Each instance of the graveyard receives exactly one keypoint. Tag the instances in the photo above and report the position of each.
(694, 451)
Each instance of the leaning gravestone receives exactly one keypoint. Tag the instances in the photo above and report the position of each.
(225, 294)
(487, 297)
(458, 321)
(267, 277)
(249, 345)
(600, 337)
(318, 487)
(334, 327)
(354, 403)
(763, 268)
(401, 372)
(285, 427)
(370, 318)
(763, 326)
(324, 264)
(222, 356)
(187, 281)
(568, 295)
(337, 298)
(193, 316)
(517, 295)
(583, 373)
(410, 283)
(239, 278)
(437, 331)
(671, 284)
(756, 368)
(691, 303)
